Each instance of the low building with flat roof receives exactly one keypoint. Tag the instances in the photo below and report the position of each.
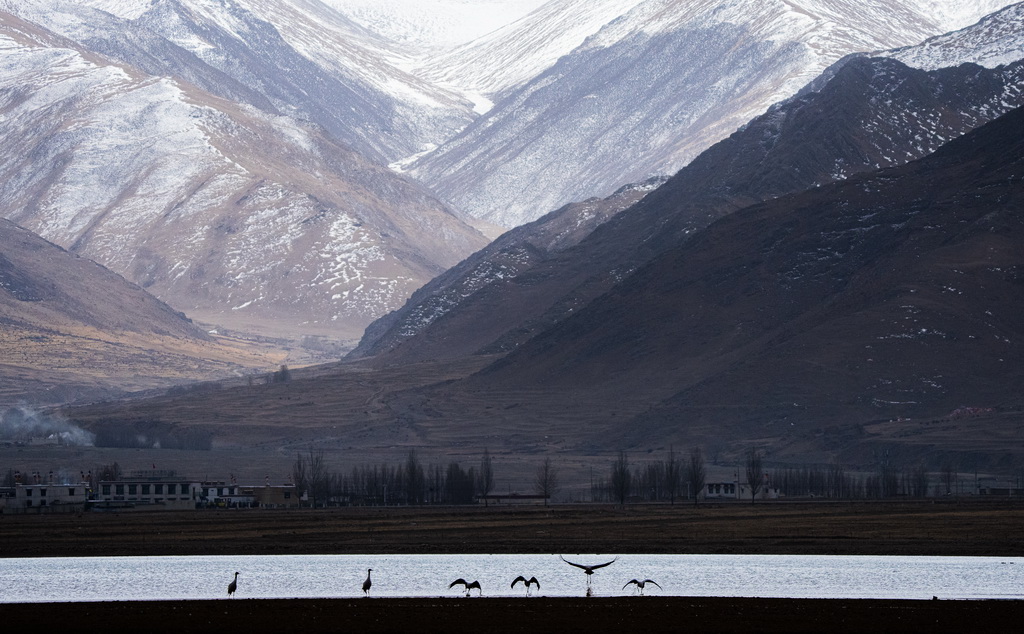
(48, 498)
(150, 490)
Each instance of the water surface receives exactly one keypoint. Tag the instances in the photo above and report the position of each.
(322, 576)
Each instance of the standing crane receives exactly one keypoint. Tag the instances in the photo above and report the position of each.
(233, 585)
(367, 584)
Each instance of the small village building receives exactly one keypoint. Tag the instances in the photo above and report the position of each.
(275, 496)
(151, 490)
(221, 494)
(513, 498)
(48, 498)
(264, 496)
(738, 491)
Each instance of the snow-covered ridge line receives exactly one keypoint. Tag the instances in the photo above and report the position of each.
(995, 40)
(650, 90)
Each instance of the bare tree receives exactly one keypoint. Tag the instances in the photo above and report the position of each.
(919, 480)
(696, 473)
(673, 475)
(108, 472)
(755, 472)
(546, 480)
(486, 476)
(299, 476)
(887, 484)
(458, 484)
(621, 480)
(414, 479)
(949, 477)
(318, 479)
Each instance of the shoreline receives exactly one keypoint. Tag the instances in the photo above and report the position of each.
(595, 614)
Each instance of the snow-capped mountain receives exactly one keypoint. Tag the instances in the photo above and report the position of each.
(524, 49)
(996, 39)
(230, 155)
(873, 112)
(300, 58)
(434, 24)
(650, 90)
(229, 213)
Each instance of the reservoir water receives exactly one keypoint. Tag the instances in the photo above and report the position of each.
(325, 576)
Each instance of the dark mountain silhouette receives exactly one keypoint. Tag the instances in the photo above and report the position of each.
(892, 296)
(510, 255)
(873, 113)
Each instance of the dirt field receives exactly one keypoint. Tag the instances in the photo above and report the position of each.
(975, 527)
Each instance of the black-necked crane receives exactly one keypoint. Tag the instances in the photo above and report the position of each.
(532, 581)
(233, 585)
(469, 586)
(589, 569)
(640, 585)
(367, 584)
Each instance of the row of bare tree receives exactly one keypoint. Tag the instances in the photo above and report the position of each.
(408, 483)
(664, 480)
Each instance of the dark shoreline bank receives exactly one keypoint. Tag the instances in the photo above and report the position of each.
(612, 614)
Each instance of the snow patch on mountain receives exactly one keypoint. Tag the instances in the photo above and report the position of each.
(298, 58)
(219, 208)
(434, 23)
(523, 49)
(995, 40)
(650, 90)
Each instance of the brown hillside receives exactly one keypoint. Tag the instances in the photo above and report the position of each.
(72, 328)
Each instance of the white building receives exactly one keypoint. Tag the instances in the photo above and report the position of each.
(48, 498)
(738, 491)
(153, 490)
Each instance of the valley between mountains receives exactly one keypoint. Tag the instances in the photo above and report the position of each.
(564, 229)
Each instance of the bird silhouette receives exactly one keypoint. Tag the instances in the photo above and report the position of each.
(469, 586)
(233, 585)
(367, 583)
(589, 569)
(531, 582)
(640, 585)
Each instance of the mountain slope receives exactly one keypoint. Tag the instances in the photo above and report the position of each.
(892, 294)
(300, 59)
(236, 216)
(516, 53)
(996, 39)
(71, 328)
(761, 320)
(650, 91)
(434, 24)
(872, 113)
(509, 256)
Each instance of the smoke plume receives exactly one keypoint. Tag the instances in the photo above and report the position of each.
(22, 424)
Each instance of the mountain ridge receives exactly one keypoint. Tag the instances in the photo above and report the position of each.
(240, 218)
(648, 92)
(875, 112)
